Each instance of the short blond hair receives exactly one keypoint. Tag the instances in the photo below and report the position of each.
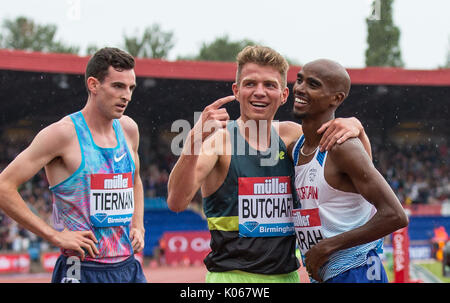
(264, 56)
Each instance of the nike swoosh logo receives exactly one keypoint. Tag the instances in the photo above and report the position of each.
(117, 159)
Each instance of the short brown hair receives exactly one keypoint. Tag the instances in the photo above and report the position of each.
(264, 56)
(100, 62)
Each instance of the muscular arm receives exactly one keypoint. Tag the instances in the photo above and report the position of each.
(193, 166)
(188, 175)
(19, 171)
(351, 160)
(46, 146)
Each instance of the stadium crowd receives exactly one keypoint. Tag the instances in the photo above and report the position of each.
(417, 174)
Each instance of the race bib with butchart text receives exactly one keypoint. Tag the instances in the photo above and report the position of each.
(265, 206)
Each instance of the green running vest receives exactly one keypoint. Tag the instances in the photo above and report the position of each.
(247, 215)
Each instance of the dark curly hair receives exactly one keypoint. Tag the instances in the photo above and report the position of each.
(99, 63)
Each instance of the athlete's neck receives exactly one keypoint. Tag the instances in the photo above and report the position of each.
(97, 121)
(310, 125)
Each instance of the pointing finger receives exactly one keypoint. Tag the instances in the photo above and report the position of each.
(218, 103)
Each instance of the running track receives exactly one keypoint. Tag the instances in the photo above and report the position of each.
(163, 274)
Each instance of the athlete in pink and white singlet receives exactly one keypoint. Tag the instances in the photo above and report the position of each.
(99, 195)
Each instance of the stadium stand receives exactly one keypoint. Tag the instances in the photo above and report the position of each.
(161, 220)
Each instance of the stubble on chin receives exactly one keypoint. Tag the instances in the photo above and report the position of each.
(299, 115)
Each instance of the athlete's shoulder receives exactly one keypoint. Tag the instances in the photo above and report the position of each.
(129, 126)
(128, 123)
(54, 139)
(290, 132)
(62, 130)
(347, 149)
(290, 125)
(290, 129)
(131, 131)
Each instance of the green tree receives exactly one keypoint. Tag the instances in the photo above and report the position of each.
(383, 37)
(91, 49)
(23, 33)
(292, 61)
(222, 49)
(154, 43)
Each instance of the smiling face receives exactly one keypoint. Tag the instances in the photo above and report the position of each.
(260, 92)
(321, 86)
(113, 94)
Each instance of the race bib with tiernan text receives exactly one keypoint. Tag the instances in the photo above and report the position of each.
(265, 207)
(111, 199)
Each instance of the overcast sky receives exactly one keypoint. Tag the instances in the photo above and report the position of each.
(302, 30)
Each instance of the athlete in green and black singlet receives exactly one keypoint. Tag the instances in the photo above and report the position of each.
(249, 216)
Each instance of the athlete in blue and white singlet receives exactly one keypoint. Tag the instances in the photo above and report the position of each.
(326, 212)
(346, 206)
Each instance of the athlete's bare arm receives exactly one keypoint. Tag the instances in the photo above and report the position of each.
(49, 145)
(198, 158)
(350, 162)
(137, 230)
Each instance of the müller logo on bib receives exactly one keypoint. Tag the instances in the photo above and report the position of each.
(111, 199)
(308, 228)
(265, 206)
(306, 217)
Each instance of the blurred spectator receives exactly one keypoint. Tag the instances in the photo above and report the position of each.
(417, 173)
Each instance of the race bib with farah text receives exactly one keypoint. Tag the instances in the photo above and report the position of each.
(308, 228)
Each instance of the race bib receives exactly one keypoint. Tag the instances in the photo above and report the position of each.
(308, 228)
(265, 207)
(111, 199)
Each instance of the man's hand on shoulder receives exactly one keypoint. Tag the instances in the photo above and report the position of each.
(339, 130)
